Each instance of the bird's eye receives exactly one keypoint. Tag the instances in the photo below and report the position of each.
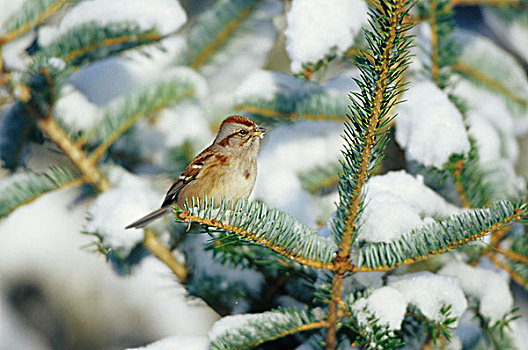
(242, 132)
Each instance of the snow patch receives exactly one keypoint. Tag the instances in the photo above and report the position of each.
(75, 111)
(490, 288)
(386, 303)
(398, 202)
(164, 15)
(429, 126)
(429, 292)
(316, 27)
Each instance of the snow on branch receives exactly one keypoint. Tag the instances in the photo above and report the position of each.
(270, 228)
(249, 330)
(139, 104)
(26, 186)
(93, 41)
(214, 28)
(439, 236)
(365, 139)
(31, 14)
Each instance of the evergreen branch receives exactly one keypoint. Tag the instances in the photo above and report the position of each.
(434, 40)
(483, 78)
(271, 113)
(92, 41)
(503, 3)
(437, 329)
(25, 187)
(137, 105)
(320, 178)
(439, 237)
(214, 28)
(269, 228)
(58, 136)
(266, 327)
(154, 245)
(31, 14)
(515, 257)
(365, 141)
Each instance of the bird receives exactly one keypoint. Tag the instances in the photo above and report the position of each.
(226, 169)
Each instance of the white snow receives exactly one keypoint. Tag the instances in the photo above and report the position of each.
(9, 8)
(386, 303)
(75, 111)
(164, 15)
(429, 292)
(231, 323)
(429, 126)
(14, 52)
(183, 342)
(117, 207)
(490, 288)
(315, 27)
(513, 33)
(396, 203)
(148, 304)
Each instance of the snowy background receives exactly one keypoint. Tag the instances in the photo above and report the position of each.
(56, 292)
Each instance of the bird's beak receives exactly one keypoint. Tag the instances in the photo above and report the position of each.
(259, 131)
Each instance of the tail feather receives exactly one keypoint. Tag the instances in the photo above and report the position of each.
(147, 219)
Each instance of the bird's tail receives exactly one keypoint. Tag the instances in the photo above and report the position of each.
(147, 219)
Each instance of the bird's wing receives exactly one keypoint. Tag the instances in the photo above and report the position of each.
(191, 173)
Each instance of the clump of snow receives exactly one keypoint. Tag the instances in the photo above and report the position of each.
(146, 305)
(75, 111)
(117, 207)
(429, 126)
(396, 203)
(488, 287)
(164, 15)
(512, 33)
(429, 292)
(14, 52)
(386, 303)
(8, 9)
(183, 342)
(230, 323)
(316, 27)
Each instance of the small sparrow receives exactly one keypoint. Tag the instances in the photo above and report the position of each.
(226, 169)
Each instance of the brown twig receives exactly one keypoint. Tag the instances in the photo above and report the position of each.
(287, 115)
(154, 245)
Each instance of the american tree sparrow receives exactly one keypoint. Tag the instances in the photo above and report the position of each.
(226, 169)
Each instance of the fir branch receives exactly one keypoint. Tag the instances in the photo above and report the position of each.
(470, 180)
(320, 178)
(365, 141)
(439, 236)
(522, 4)
(31, 14)
(137, 105)
(90, 172)
(266, 327)
(308, 106)
(154, 245)
(437, 329)
(491, 83)
(27, 186)
(93, 41)
(214, 28)
(269, 228)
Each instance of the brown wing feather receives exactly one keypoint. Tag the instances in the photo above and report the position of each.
(189, 174)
